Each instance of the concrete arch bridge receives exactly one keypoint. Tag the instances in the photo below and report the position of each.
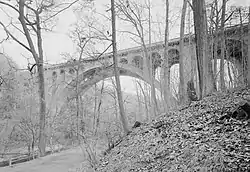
(61, 78)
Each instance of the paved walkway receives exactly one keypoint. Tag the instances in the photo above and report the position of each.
(65, 161)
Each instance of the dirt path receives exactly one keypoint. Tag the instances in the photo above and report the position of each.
(65, 161)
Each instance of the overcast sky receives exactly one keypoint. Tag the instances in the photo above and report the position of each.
(58, 41)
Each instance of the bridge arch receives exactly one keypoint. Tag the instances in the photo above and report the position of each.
(233, 49)
(137, 61)
(236, 50)
(156, 60)
(92, 76)
(123, 61)
(174, 56)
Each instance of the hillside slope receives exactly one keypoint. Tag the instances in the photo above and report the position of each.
(202, 137)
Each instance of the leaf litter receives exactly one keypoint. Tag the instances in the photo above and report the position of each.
(209, 135)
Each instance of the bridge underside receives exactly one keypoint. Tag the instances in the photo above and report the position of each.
(87, 79)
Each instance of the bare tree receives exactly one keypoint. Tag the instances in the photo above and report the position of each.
(214, 44)
(182, 94)
(248, 60)
(81, 39)
(9, 92)
(200, 27)
(27, 131)
(151, 64)
(165, 66)
(223, 47)
(207, 61)
(97, 115)
(138, 95)
(133, 12)
(242, 12)
(142, 91)
(34, 17)
(117, 72)
(198, 23)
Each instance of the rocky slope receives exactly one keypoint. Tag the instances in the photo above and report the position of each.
(206, 136)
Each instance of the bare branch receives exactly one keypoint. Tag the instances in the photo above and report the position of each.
(39, 40)
(129, 32)
(137, 22)
(136, 41)
(104, 37)
(190, 4)
(44, 7)
(32, 9)
(15, 9)
(14, 38)
(104, 51)
(230, 15)
(106, 17)
(26, 31)
(2, 80)
(18, 29)
(60, 11)
(4, 39)
(7, 4)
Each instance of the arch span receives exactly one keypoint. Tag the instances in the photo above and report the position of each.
(137, 61)
(156, 60)
(173, 54)
(90, 77)
(234, 52)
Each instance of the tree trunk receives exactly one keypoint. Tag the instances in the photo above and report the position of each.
(182, 92)
(99, 109)
(207, 60)
(138, 95)
(248, 59)
(199, 36)
(38, 57)
(41, 83)
(78, 96)
(223, 48)
(215, 60)
(77, 104)
(211, 48)
(165, 65)
(193, 58)
(153, 94)
(117, 72)
(244, 55)
(215, 54)
(230, 83)
(145, 100)
(42, 135)
(95, 108)
(211, 34)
